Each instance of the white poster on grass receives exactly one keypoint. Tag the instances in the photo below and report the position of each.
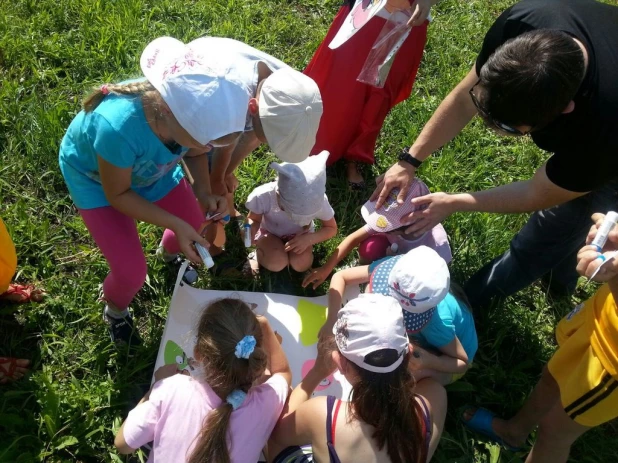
(296, 320)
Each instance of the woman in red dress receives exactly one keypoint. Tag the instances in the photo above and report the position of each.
(353, 111)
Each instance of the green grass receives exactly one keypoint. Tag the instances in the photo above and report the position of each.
(53, 51)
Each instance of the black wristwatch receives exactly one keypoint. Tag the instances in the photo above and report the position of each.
(407, 157)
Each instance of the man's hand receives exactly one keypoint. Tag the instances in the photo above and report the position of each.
(438, 206)
(400, 176)
(316, 277)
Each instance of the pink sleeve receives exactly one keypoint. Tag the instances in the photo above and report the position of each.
(258, 201)
(442, 245)
(370, 231)
(139, 427)
(269, 400)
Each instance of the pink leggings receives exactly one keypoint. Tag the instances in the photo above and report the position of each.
(373, 248)
(116, 235)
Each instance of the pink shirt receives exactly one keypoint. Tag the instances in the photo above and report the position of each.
(174, 414)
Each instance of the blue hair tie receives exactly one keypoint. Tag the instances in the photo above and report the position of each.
(245, 347)
(236, 398)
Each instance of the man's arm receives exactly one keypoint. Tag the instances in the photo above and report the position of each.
(534, 194)
(450, 118)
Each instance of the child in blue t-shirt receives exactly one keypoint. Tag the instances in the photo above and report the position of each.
(439, 324)
(120, 158)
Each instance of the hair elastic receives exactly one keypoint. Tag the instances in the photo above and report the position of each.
(236, 398)
(245, 347)
(104, 89)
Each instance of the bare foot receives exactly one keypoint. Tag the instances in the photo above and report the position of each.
(12, 369)
(353, 175)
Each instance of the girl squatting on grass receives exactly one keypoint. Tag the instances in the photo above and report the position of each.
(388, 417)
(383, 234)
(436, 315)
(226, 416)
(282, 215)
(120, 159)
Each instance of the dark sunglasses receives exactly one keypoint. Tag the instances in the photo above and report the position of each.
(485, 115)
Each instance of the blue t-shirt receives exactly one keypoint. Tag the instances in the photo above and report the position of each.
(451, 317)
(117, 130)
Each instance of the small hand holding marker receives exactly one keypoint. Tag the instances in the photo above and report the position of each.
(593, 264)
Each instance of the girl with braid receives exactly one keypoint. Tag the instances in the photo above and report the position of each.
(121, 160)
(224, 414)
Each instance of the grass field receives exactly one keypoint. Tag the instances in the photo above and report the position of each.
(53, 51)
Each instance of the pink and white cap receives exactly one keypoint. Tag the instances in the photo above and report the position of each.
(208, 97)
(367, 324)
(389, 216)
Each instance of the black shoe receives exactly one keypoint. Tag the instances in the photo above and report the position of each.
(122, 331)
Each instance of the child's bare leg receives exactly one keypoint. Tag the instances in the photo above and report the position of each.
(557, 432)
(303, 261)
(271, 253)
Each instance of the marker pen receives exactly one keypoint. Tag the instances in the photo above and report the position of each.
(603, 232)
(247, 236)
(205, 255)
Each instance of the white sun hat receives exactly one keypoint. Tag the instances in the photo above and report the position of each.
(370, 323)
(208, 97)
(302, 187)
(290, 108)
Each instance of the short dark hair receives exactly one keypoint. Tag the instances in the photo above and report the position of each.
(530, 79)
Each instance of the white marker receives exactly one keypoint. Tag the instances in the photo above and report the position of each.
(394, 248)
(205, 255)
(247, 237)
(603, 232)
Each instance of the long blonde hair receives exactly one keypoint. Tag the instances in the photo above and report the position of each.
(222, 325)
(138, 88)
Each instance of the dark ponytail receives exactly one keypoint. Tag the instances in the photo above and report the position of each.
(222, 325)
(387, 402)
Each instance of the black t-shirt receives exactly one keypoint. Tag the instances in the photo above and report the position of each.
(585, 141)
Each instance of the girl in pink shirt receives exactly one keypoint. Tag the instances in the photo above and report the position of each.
(214, 418)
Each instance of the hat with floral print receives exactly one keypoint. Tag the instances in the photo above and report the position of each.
(208, 96)
(388, 216)
(367, 324)
(301, 187)
(419, 280)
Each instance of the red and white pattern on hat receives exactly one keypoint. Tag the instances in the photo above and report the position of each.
(190, 59)
(389, 216)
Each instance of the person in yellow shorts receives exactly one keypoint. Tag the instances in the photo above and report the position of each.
(578, 389)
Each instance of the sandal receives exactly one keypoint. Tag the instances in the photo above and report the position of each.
(481, 424)
(20, 294)
(355, 186)
(12, 369)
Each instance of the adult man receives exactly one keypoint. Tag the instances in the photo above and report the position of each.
(548, 69)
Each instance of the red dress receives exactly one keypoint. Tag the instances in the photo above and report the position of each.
(354, 112)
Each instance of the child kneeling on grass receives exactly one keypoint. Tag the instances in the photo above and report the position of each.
(384, 234)
(436, 315)
(282, 215)
(578, 389)
(224, 416)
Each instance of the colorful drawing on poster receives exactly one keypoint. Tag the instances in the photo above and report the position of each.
(359, 15)
(173, 354)
(325, 383)
(312, 317)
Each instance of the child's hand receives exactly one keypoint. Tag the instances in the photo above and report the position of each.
(166, 371)
(316, 277)
(299, 243)
(327, 329)
(186, 236)
(420, 12)
(324, 364)
(418, 358)
(231, 182)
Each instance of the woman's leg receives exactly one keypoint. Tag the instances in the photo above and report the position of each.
(117, 238)
(271, 253)
(183, 204)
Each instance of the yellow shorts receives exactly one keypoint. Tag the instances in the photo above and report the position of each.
(589, 394)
